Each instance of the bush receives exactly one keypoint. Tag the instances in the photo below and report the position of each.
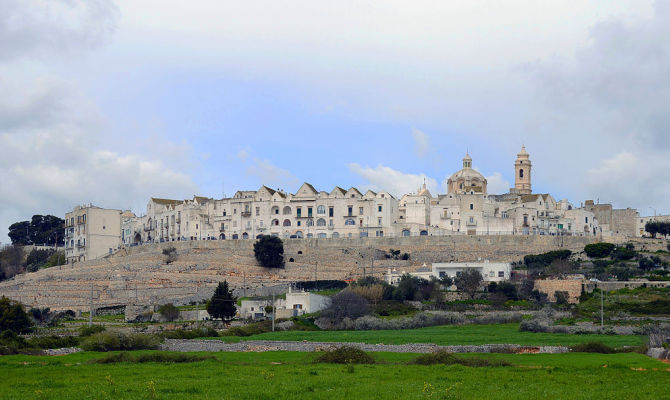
(346, 355)
(269, 252)
(116, 340)
(598, 250)
(170, 254)
(445, 358)
(189, 334)
(158, 357)
(52, 342)
(593, 347)
(89, 330)
(421, 320)
(13, 317)
(545, 259)
(346, 304)
(169, 311)
(394, 309)
(623, 254)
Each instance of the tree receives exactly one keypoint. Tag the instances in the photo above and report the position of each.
(598, 250)
(469, 281)
(11, 261)
(222, 303)
(507, 289)
(170, 254)
(646, 264)
(346, 304)
(13, 317)
(269, 252)
(169, 311)
(407, 288)
(561, 297)
(41, 229)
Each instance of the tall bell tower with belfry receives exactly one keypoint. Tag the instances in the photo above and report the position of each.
(522, 168)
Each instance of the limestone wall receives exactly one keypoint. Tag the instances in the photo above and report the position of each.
(551, 286)
(138, 275)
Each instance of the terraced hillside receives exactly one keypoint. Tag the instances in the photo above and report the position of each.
(139, 275)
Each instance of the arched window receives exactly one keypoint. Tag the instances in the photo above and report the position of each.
(310, 235)
(299, 236)
(275, 222)
(320, 222)
(335, 235)
(287, 210)
(287, 222)
(245, 235)
(405, 232)
(235, 237)
(521, 173)
(275, 210)
(322, 235)
(222, 236)
(310, 222)
(423, 233)
(349, 222)
(321, 210)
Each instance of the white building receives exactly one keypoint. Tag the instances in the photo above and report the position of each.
(91, 232)
(491, 271)
(295, 304)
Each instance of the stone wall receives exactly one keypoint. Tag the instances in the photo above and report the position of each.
(139, 275)
(551, 286)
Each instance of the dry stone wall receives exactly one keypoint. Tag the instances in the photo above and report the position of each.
(139, 275)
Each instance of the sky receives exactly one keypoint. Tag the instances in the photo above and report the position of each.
(112, 102)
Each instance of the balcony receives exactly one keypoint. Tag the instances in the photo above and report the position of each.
(222, 229)
(471, 223)
(246, 214)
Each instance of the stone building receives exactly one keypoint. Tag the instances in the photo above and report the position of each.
(91, 232)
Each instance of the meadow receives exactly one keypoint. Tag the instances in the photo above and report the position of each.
(287, 375)
(449, 335)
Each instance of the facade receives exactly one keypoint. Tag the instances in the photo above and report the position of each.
(295, 304)
(466, 209)
(91, 232)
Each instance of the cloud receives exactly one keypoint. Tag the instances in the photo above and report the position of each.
(395, 182)
(58, 27)
(496, 184)
(271, 175)
(421, 143)
(629, 179)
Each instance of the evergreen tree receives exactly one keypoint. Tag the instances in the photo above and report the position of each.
(222, 303)
(269, 252)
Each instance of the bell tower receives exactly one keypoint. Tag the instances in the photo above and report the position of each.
(522, 167)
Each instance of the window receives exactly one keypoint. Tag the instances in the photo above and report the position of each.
(298, 212)
(321, 210)
(379, 221)
(322, 235)
(350, 209)
(287, 210)
(309, 211)
(472, 219)
(298, 223)
(287, 222)
(472, 206)
(492, 274)
(586, 220)
(501, 274)
(349, 222)
(330, 222)
(360, 210)
(310, 222)
(331, 211)
(321, 222)
(224, 213)
(521, 173)
(379, 208)
(258, 211)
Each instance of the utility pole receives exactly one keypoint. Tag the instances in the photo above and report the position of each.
(90, 313)
(602, 307)
(244, 282)
(316, 280)
(274, 310)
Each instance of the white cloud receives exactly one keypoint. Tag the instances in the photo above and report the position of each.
(421, 142)
(395, 182)
(58, 27)
(628, 179)
(496, 184)
(271, 175)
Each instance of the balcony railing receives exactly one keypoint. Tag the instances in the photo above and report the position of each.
(246, 214)
(471, 223)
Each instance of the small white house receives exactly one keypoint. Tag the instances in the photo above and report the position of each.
(295, 304)
(491, 271)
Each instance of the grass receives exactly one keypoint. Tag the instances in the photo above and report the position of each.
(450, 335)
(286, 375)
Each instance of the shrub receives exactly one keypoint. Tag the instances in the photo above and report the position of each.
(52, 342)
(421, 320)
(593, 347)
(169, 311)
(116, 340)
(190, 334)
(269, 252)
(13, 317)
(469, 281)
(346, 304)
(170, 254)
(598, 250)
(561, 297)
(446, 358)
(544, 259)
(158, 357)
(346, 355)
(623, 254)
(89, 330)
(394, 308)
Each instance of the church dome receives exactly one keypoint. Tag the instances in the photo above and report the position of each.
(467, 180)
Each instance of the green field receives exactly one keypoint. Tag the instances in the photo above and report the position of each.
(286, 375)
(448, 335)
